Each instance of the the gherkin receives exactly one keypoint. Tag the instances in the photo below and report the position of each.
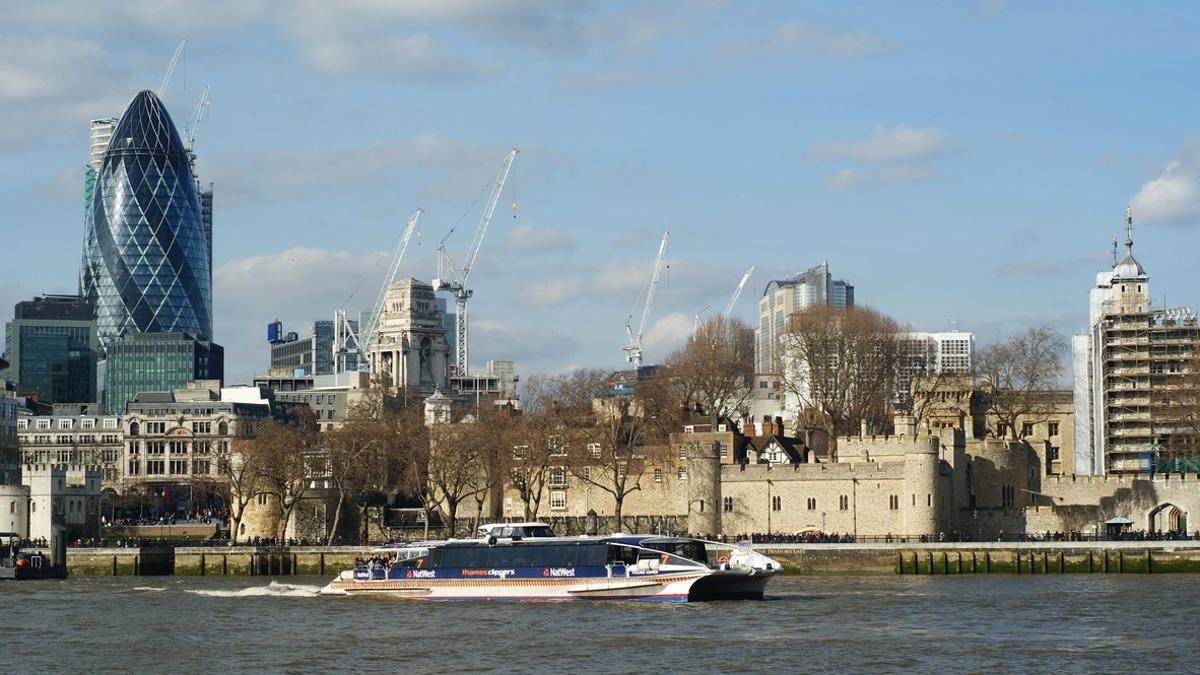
(145, 251)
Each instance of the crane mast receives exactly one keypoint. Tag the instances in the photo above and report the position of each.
(633, 349)
(193, 123)
(737, 292)
(454, 280)
(370, 332)
(162, 86)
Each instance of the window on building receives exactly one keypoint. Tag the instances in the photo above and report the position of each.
(587, 473)
(43, 424)
(658, 474)
(812, 503)
(1001, 429)
(929, 499)
(223, 428)
(155, 467)
(776, 503)
(64, 424)
(1026, 429)
(201, 467)
(110, 423)
(558, 500)
(594, 450)
(520, 452)
(262, 499)
(558, 476)
(621, 469)
(87, 424)
(201, 427)
(728, 504)
(681, 473)
(1008, 496)
(557, 445)
(179, 467)
(1053, 428)
(843, 503)
(683, 452)
(155, 447)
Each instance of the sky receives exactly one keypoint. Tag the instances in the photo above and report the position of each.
(961, 163)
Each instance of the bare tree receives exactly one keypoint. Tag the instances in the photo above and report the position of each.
(537, 439)
(613, 425)
(843, 364)
(288, 454)
(461, 461)
(242, 471)
(714, 370)
(1019, 372)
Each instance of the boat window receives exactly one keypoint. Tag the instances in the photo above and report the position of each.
(692, 550)
(522, 555)
(538, 531)
(619, 553)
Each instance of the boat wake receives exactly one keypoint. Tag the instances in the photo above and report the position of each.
(154, 589)
(273, 589)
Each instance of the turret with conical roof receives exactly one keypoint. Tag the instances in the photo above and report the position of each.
(1129, 269)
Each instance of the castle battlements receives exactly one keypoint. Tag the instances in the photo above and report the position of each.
(890, 470)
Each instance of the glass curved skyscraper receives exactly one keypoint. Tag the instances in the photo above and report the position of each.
(145, 251)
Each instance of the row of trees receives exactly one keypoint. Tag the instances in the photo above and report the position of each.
(846, 365)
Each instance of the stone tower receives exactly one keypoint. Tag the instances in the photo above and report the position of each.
(410, 348)
(704, 488)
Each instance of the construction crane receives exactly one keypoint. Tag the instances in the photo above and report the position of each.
(454, 280)
(370, 331)
(633, 349)
(162, 86)
(193, 123)
(737, 293)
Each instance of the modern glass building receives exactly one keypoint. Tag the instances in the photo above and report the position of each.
(146, 262)
(156, 362)
(52, 348)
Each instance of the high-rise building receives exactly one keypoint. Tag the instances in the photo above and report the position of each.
(312, 355)
(782, 297)
(146, 258)
(146, 362)
(1136, 387)
(949, 353)
(52, 349)
(411, 349)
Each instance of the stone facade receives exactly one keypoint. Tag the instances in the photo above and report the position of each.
(410, 348)
(96, 440)
(63, 495)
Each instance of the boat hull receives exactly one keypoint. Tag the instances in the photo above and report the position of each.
(668, 587)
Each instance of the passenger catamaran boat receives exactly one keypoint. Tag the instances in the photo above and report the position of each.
(524, 561)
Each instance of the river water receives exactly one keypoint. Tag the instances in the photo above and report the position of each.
(1073, 623)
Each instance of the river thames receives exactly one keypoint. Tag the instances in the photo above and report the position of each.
(1073, 623)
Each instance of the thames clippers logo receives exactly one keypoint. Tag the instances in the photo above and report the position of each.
(558, 572)
(488, 573)
(421, 574)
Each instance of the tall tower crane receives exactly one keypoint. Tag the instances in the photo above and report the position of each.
(193, 123)
(345, 341)
(737, 293)
(166, 79)
(369, 332)
(454, 279)
(633, 348)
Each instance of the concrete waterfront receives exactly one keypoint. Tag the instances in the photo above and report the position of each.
(1102, 557)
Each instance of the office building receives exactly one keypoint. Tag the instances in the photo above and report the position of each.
(150, 362)
(949, 353)
(74, 435)
(1136, 389)
(146, 259)
(411, 349)
(312, 355)
(52, 348)
(782, 297)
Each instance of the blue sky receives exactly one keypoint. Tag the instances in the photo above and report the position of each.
(955, 161)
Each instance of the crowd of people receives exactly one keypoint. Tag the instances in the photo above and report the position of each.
(200, 516)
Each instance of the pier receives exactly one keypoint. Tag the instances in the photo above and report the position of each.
(1123, 557)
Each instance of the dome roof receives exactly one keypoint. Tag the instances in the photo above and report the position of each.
(1129, 267)
(147, 127)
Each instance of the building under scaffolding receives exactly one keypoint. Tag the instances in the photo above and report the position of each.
(1136, 379)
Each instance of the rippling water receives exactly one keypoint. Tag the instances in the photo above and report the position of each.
(1073, 623)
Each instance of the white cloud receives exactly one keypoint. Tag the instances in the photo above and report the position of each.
(533, 347)
(825, 41)
(903, 173)
(529, 239)
(549, 292)
(452, 169)
(844, 179)
(51, 84)
(668, 332)
(897, 144)
(297, 286)
(1173, 197)
(415, 39)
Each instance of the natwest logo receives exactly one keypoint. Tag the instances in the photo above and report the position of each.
(558, 572)
(422, 574)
